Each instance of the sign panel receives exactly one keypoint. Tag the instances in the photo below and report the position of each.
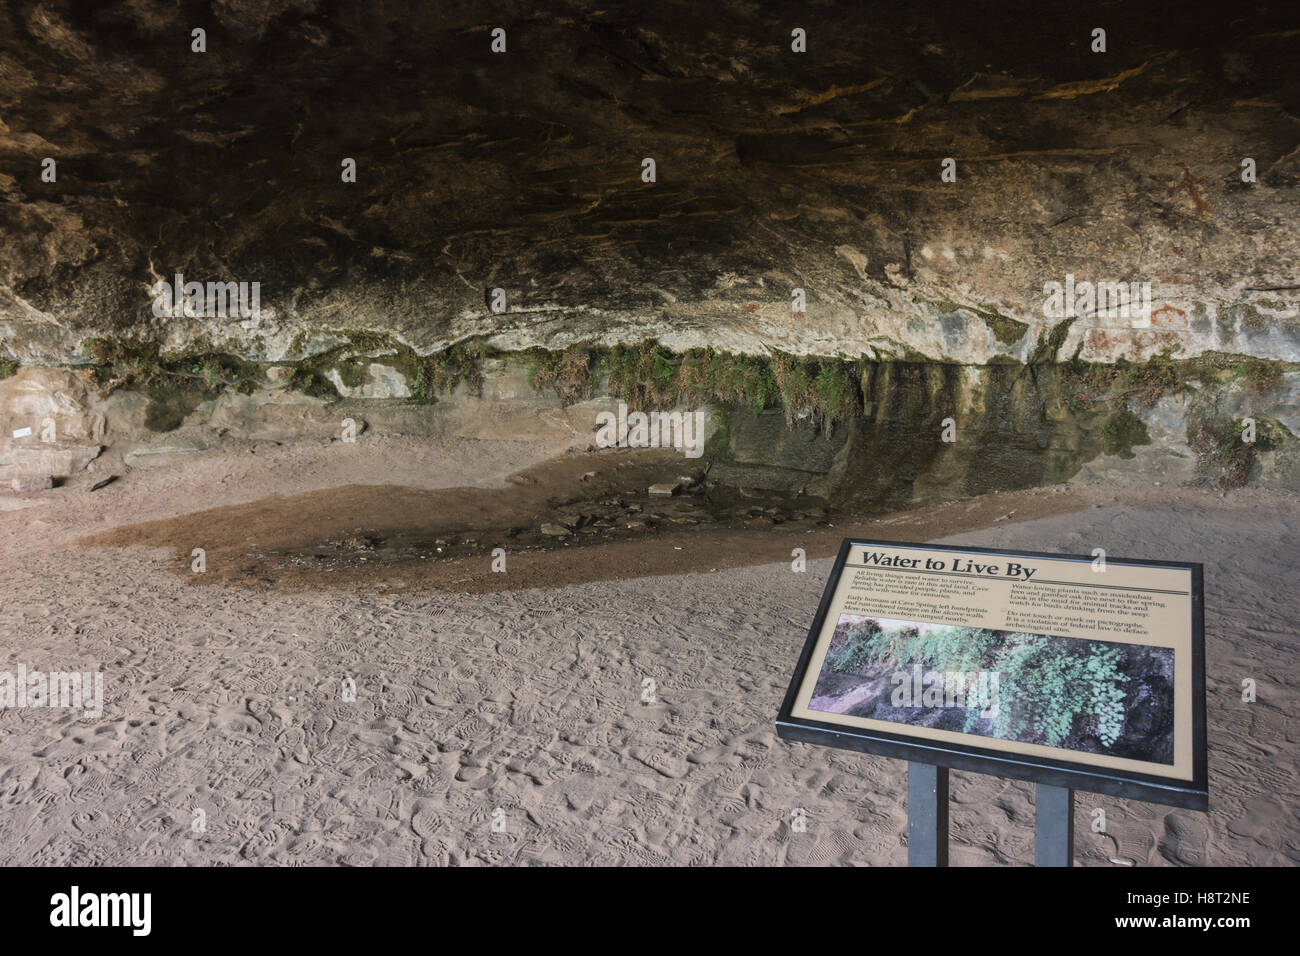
(1067, 670)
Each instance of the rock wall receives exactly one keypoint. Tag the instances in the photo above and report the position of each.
(775, 170)
(908, 432)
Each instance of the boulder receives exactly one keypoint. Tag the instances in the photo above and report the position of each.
(25, 483)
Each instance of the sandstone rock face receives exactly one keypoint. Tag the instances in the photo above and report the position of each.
(384, 382)
(277, 414)
(163, 453)
(26, 483)
(51, 424)
(775, 171)
(50, 401)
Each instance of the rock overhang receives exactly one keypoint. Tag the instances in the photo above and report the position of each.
(775, 171)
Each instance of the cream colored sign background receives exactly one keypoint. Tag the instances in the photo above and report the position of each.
(1124, 604)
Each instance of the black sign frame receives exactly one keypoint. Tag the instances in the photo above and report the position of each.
(1049, 771)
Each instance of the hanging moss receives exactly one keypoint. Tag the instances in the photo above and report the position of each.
(1223, 460)
(646, 376)
(1006, 330)
(1049, 346)
(741, 379)
(1148, 382)
(309, 375)
(649, 376)
(569, 372)
(175, 384)
(426, 375)
(825, 391)
(354, 372)
(1260, 376)
(1085, 385)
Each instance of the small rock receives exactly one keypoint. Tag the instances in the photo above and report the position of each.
(555, 530)
(146, 456)
(32, 483)
(666, 488)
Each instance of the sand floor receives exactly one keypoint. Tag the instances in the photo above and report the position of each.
(509, 728)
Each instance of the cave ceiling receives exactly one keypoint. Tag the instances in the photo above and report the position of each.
(774, 170)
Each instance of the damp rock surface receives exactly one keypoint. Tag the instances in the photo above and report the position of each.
(774, 171)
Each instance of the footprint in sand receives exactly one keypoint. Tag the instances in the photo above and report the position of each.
(89, 821)
(1186, 840)
(425, 823)
(661, 762)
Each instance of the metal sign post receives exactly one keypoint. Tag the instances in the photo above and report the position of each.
(1053, 826)
(927, 814)
(927, 819)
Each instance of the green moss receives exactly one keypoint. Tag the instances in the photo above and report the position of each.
(368, 341)
(1006, 330)
(175, 383)
(569, 372)
(740, 379)
(1251, 320)
(426, 375)
(354, 372)
(309, 375)
(794, 379)
(1121, 432)
(901, 352)
(1260, 376)
(1084, 385)
(1049, 346)
(835, 389)
(1223, 460)
(649, 376)
(1148, 382)
(646, 376)
(8, 367)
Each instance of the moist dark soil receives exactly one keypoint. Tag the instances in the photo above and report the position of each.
(577, 518)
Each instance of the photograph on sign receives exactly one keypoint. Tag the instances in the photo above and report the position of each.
(1024, 664)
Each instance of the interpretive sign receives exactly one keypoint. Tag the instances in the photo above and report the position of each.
(1079, 672)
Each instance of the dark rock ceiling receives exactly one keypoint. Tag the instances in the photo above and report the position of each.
(775, 170)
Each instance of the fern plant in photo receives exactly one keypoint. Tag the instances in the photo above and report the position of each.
(851, 648)
(1049, 689)
(1057, 687)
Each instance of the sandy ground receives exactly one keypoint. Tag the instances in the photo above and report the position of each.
(524, 708)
